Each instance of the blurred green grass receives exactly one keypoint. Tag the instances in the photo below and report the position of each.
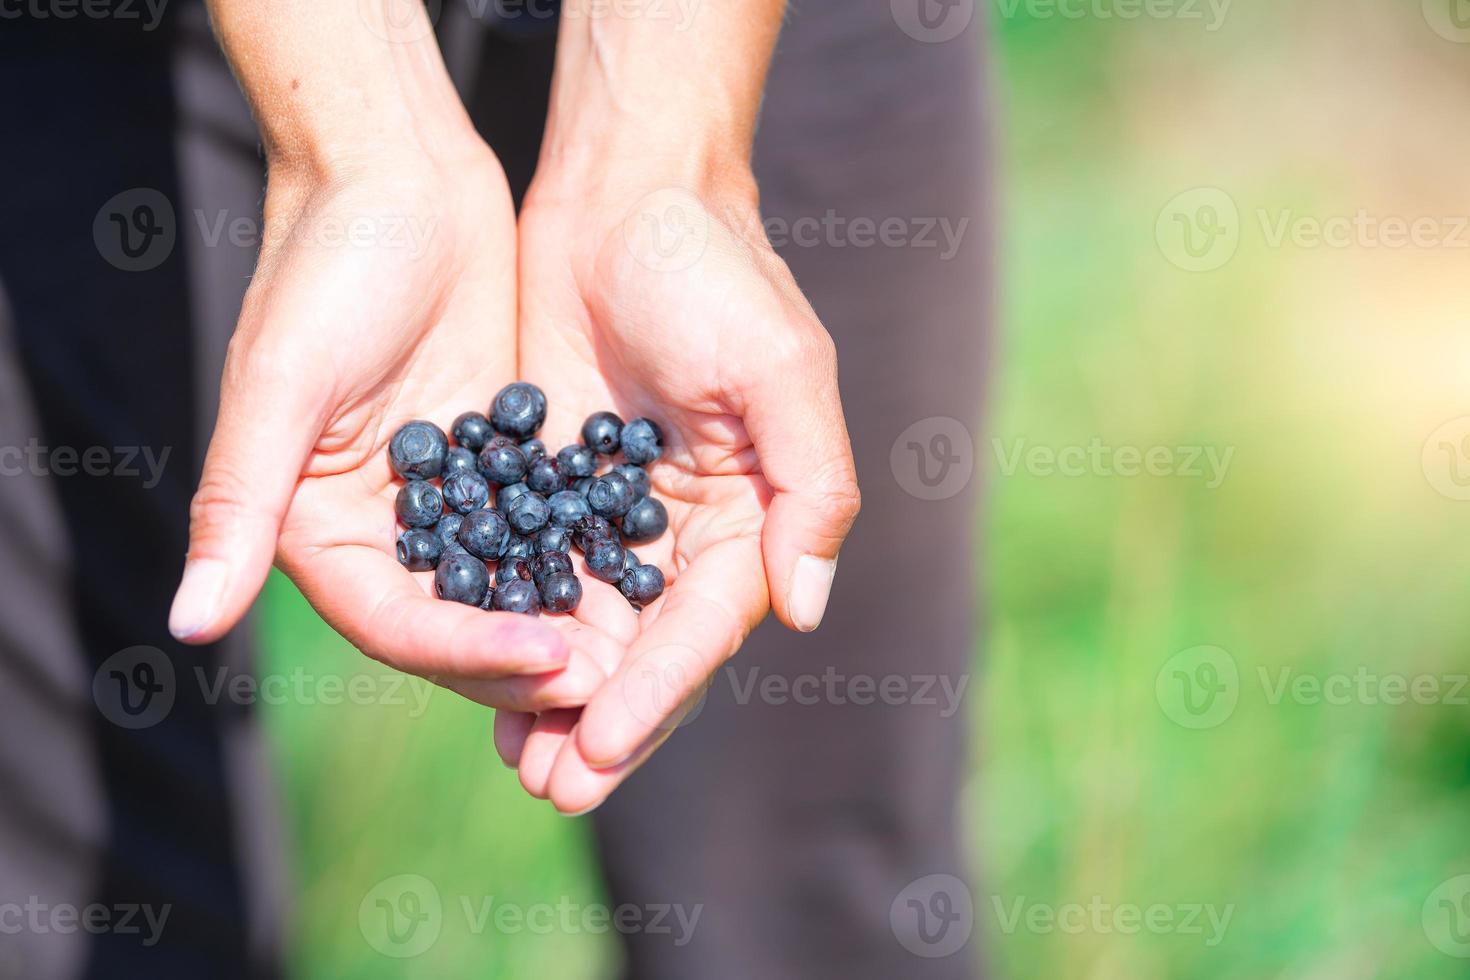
(1323, 828)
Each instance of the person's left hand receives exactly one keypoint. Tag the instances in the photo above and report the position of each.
(651, 305)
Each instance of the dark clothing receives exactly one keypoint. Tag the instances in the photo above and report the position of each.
(796, 825)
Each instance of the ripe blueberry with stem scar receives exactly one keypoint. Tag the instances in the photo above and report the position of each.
(602, 432)
(419, 504)
(417, 451)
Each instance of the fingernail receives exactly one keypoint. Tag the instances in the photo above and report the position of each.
(811, 586)
(582, 813)
(197, 602)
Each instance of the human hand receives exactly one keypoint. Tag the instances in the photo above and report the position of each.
(710, 337)
(383, 294)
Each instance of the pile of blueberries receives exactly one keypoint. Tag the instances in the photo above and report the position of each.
(505, 500)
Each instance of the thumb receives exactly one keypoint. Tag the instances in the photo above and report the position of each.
(794, 418)
(260, 445)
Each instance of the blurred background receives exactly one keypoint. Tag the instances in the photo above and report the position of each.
(1221, 724)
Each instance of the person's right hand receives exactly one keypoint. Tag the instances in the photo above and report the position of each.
(382, 295)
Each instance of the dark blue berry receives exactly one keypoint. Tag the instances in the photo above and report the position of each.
(461, 577)
(502, 462)
(488, 603)
(561, 593)
(551, 563)
(419, 549)
(458, 460)
(529, 513)
(567, 507)
(553, 539)
(544, 475)
(533, 448)
(448, 527)
(642, 441)
(577, 462)
(611, 495)
(417, 450)
(518, 410)
(465, 492)
(642, 585)
(509, 568)
(583, 485)
(507, 495)
(637, 476)
(602, 431)
(472, 430)
(645, 520)
(589, 529)
(520, 546)
(484, 534)
(605, 559)
(419, 504)
(630, 560)
(518, 596)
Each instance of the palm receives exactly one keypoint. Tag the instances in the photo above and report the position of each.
(598, 336)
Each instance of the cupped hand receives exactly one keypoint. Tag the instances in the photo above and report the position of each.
(382, 295)
(653, 302)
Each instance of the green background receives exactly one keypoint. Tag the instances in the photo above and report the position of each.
(1327, 554)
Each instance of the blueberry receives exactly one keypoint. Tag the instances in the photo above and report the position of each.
(544, 475)
(642, 585)
(577, 462)
(589, 529)
(630, 560)
(529, 513)
(417, 450)
(465, 492)
(448, 527)
(507, 495)
(419, 549)
(567, 507)
(461, 578)
(419, 504)
(551, 563)
(605, 559)
(533, 448)
(637, 476)
(642, 441)
(611, 495)
(472, 430)
(502, 462)
(645, 520)
(518, 410)
(553, 539)
(583, 485)
(520, 546)
(519, 596)
(509, 568)
(484, 534)
(458, 460)
(561, 593)
(602, 431)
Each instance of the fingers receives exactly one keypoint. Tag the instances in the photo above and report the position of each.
(542, 745)
(800, 435)
(511, 730)
(266, 429)
(367, 597)
(703, 619)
